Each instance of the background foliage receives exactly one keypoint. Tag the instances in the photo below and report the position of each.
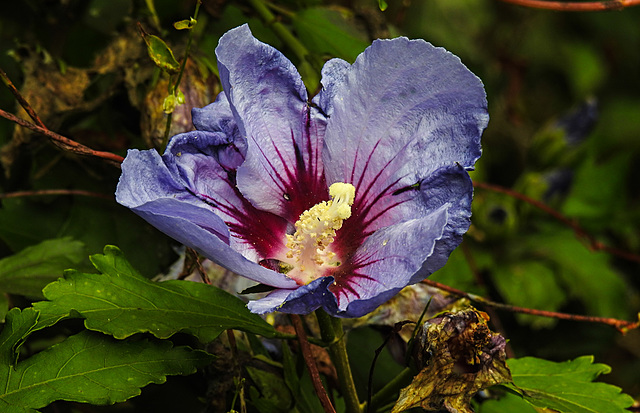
(564, 100)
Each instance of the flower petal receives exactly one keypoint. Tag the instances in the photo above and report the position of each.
(333, 73)
(216, 117)
(405, 253)
(283, 172)
(162, 191)
(302, 300)
(404, 109)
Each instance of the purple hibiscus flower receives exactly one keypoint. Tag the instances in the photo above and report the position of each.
(336, 202)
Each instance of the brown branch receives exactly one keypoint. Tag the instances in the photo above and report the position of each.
(594, 244)
(45, 192)
(621, 325)
(63, 142)
(305, 348)
(576, 6)
(23, 102)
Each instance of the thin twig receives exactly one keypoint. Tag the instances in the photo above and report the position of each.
(576, 6)
(61, 141)
(46, 192)
(621, 325)
(305, 348)
(594, 244)
(396, 329)
(23, 102)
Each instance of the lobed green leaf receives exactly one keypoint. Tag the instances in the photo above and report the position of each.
(121, 302)
(567, 387)
(87, 367)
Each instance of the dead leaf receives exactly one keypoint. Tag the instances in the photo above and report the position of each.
(457, 356)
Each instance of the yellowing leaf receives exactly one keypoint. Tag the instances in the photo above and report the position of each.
(160, 53)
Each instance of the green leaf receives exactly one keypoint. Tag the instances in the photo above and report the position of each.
(382, 5)
(25, 222)
(567, 387)
(299, 384)
(18, 326)
(530, 284)
(508, 403)
(160, 53)
(121, 302)
(30, 270)
(599, 188)
(270, 393)
(87, 367)
(587, 275)
(329, 31)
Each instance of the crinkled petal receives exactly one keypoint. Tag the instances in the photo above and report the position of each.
(283, 171)
(405, 253)
(402, 111)
(216, 117)
(163, 195)
(386, 262)
(333, 73)
(302, 300)
(206, 166)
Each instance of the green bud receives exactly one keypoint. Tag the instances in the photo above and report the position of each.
(185, 24)
(169, 104)
(180, 97)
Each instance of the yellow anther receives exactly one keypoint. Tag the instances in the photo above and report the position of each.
(315, 231)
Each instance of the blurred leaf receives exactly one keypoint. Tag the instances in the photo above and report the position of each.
(87, 367)
(567, 387)
(530, 284)
(586, 275)
(30, 270)
(382, 4)
(299, 385)
(24, 223)
(599, 188)
(97, 223)
(270, 393)
(585, 68)
(160, 53)
(457, 273)
(121, 302)
(362, 344)
(4, 306)
(106, 15)
(310, 75)
(329, 31)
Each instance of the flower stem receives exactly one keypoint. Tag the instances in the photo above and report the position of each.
(173, 89)
(332, 333)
